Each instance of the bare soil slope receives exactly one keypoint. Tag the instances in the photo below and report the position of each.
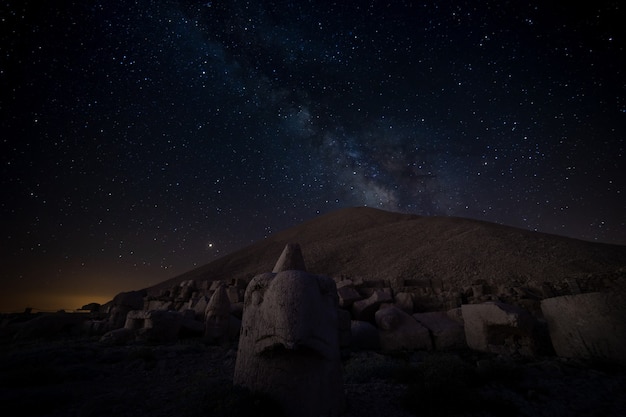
(380, 245)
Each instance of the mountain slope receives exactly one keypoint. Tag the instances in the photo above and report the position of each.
(375, 244)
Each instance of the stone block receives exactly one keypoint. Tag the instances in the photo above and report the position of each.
(404, 301)
(499, 328)
(365, 309)
(591, 325)
(400, 331)
(447, 334)
(347, 296)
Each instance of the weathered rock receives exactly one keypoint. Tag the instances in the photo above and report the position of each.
(199, 306)
(289, 347)
(365, 309)
(159, 305)
(347, 296)
(217, 317)
(344, 283)
(121, 304)
(215, 285)
(591, 325)
(187, 288)
(130, 299)
(234, 294)
(400, 331)
(290, 259)
(93, 307)
(404, 301)
(157, 326)
(364, 336)
(456, 314)
(499, 328)
(446, 333)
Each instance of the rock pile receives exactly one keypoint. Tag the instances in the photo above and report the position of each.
(571, 319)
(211, 310)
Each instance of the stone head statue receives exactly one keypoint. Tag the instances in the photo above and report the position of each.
(289, 342)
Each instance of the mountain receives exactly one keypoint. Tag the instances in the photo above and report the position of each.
(456, 252)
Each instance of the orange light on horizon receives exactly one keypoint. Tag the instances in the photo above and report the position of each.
(51, 302)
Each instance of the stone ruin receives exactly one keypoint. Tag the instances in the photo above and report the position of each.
(426, 314)
(211, 310)
(289, 343)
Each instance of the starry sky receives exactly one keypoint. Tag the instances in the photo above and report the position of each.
(140, 139)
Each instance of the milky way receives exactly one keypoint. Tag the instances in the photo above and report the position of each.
(141, 139)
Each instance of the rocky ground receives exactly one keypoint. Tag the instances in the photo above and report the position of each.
(83, 378)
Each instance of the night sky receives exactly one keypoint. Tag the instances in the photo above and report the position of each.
(140, 139)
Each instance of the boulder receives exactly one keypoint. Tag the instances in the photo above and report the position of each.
(364, 310)
(234, 294)
(187, 288)
(215, 284)
(199, 305)
(499, 328)
(289, 343)
(364, 336)
(456, 314)
(159, 305)
(130, 299)
(591, 325)
(217, 317)
(404, 301)
(446, 333)
(344, 283)
(157, 326)
(400, 331)
(121, 304)
(347, 296)
(92, 307)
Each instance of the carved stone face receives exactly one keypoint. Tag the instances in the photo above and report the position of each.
(293, 310)
(289, 344)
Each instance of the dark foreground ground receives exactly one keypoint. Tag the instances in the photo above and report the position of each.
(83, 378)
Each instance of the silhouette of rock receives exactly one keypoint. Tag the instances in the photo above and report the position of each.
(120, 306)
(400, 331)
(447, 334)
